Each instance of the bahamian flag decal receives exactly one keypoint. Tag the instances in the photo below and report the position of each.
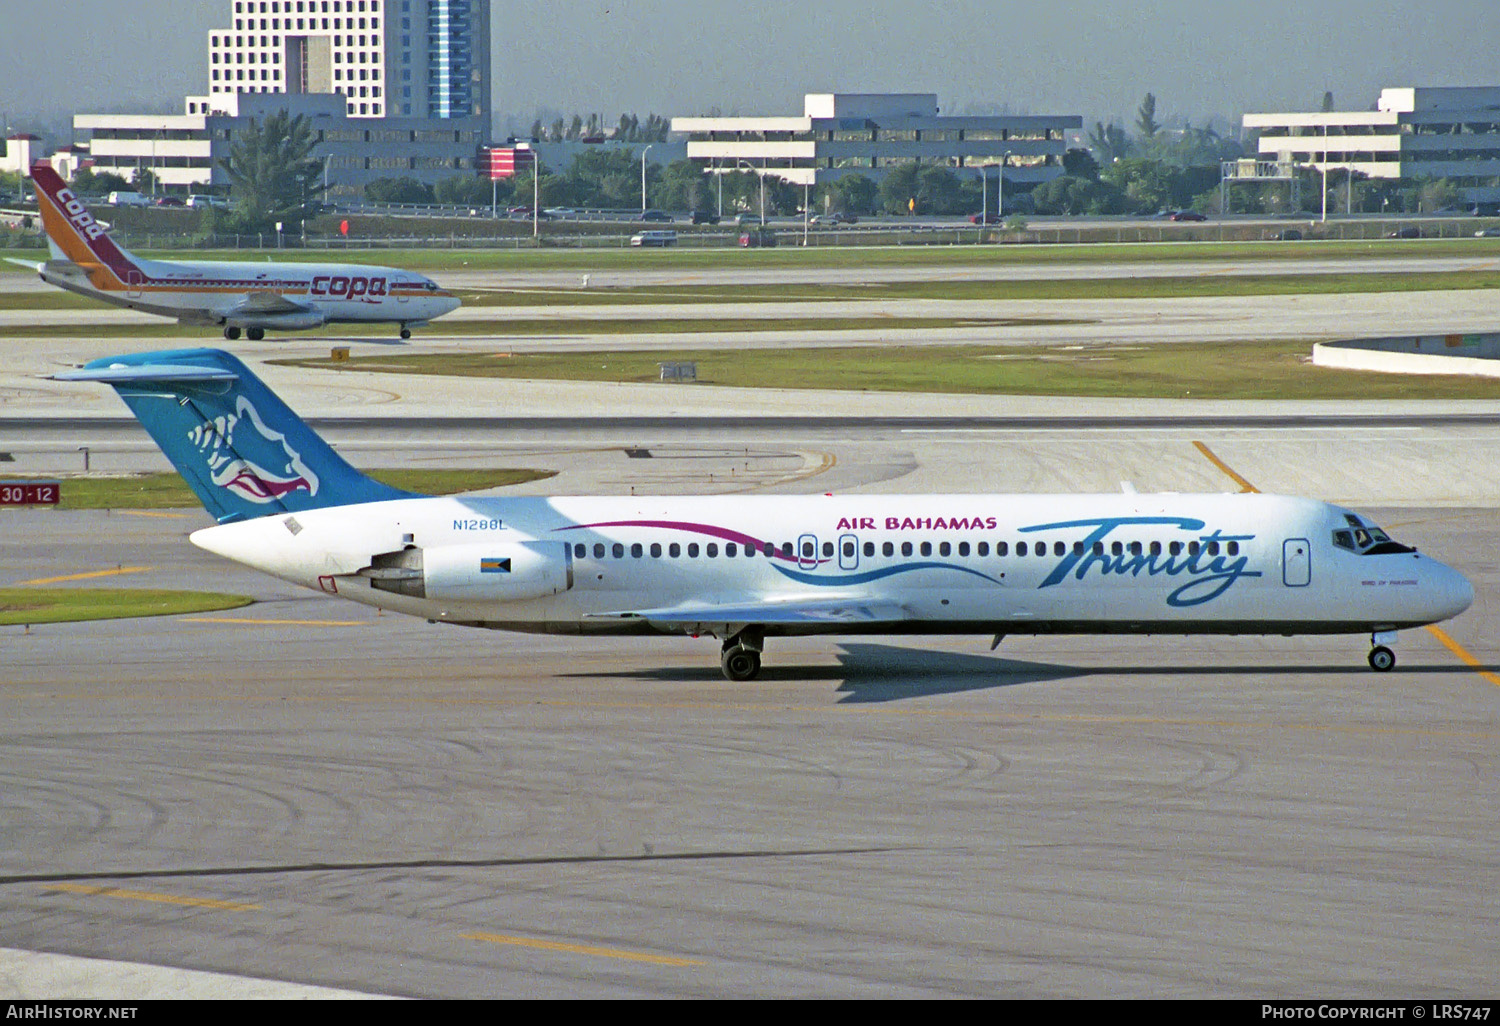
(495, 566)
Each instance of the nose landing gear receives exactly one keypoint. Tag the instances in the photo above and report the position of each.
(1381, 657)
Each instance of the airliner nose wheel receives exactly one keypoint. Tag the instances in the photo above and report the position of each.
(231, 333)
(1382, 658)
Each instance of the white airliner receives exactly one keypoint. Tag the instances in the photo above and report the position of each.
(235, 295)
(742, 569)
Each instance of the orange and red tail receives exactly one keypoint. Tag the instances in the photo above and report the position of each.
(72, 230)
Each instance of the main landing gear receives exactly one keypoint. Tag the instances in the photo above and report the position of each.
(253, 334)
(231, 333)
(1381, 657)
(740, 659)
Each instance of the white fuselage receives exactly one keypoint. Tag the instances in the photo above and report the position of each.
(1000, 564)
(274, 295)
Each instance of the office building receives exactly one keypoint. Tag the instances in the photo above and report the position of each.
(869, 133)
(1413, 133)
(387, 58)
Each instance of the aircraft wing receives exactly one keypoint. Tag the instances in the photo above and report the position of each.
(263, 304)
(822, 610)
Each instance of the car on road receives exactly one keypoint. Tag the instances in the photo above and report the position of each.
(655, 237)
(654, 215)
(704, 217)
(1409, 232)
(1487, 233)
(566, 213)
(168, 201)
(1188, 215)
(1287, 234)
(758, 237)
(744, 220)
(985, 219)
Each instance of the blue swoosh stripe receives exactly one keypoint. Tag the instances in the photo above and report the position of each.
(875, 575)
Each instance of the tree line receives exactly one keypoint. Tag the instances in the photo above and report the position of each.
(274, 177)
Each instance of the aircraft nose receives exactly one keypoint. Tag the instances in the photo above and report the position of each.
(1452, 592)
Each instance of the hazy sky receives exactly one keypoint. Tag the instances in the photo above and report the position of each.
(1090, 57)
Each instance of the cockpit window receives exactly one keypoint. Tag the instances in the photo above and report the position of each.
(1367, 541)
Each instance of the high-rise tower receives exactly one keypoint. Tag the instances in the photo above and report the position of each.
(388, 58)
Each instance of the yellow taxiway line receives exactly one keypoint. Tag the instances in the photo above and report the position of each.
(578, 949)
(169, 899)
(83, 577)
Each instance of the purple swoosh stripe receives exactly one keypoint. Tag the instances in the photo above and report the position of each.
(683, 525)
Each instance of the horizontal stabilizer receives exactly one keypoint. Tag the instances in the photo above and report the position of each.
(29, 264)
(822, 610)
(141, 374)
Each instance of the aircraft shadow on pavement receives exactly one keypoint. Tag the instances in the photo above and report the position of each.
(883, 673)
(888, 673)
(868, 672)
(382, 341)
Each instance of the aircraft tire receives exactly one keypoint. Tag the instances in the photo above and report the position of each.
(740, 663)
(1382, 658)
(231, 333)
(406, 333)
(255, 334)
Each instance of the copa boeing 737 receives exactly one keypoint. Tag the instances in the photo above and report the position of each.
(234, 295)
(743, 569)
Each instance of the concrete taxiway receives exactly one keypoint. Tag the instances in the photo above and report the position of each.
(305, 793)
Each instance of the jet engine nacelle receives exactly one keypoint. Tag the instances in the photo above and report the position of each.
(502, 572)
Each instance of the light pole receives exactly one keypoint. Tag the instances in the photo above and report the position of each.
(761, 174)
(984, 193)
(1324, 216)
(643, 178)
(1000, 187)
(536, 192)
(805, 213)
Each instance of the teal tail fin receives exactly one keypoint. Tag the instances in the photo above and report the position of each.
(239, 447)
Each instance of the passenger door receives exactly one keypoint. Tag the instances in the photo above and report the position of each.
(1296, 563)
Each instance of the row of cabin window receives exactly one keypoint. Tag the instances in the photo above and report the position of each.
(787, 550)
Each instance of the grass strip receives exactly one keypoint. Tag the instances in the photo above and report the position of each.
(65, 605)
(849, 256)
(1053, 288)
(1207, 285)
(1276, 369)
(168, 490)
